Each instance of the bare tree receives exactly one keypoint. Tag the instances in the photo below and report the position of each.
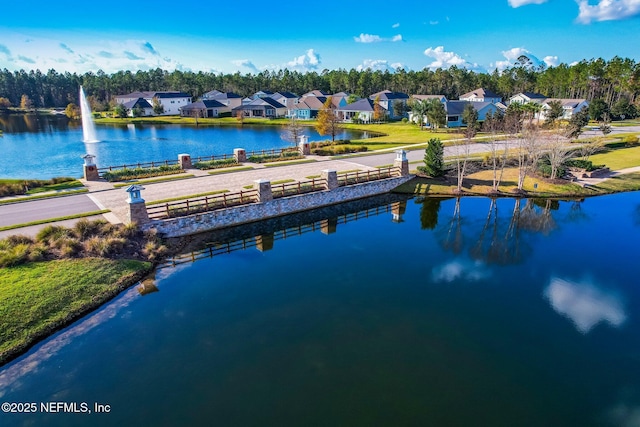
(529, 152)
(293, 130)
(557, 150)
(494, 124)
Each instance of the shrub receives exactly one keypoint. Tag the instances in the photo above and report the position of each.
(15, 255)
(137, 173)
(51, 232)
(216, 164)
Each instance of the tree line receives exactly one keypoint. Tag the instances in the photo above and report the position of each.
(609, 81)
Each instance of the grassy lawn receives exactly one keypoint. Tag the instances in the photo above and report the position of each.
(479, 183)
(618, 159)
(37, 298)
(230, 170)
(397, 133)
(152, 180)
(56, 187)
(627, 182)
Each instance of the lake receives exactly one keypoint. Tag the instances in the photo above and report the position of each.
(43, 147)
(384, 311)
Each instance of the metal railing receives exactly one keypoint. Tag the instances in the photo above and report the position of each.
(201, 204)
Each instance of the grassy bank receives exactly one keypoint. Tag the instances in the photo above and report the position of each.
(39, 298)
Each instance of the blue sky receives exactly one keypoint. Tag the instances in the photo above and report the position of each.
(248, 37)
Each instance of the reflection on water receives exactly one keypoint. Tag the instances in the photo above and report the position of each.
(585, 303)
(377, 312)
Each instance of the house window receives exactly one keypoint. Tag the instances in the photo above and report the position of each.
(271, 112)
(452, 118)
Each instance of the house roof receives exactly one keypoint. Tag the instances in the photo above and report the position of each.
(285, 94)
(137, 103)
(388, 95)
(566, 103)
(202, 105)
(310, 103)
(159, 94)
(427, 97)
(456, 108)
(364, 104)
(531, 95)
(260, 102)
(316, 93)
(215, 94)
(480, 93)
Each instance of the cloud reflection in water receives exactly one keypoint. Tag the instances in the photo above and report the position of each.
(585, 304)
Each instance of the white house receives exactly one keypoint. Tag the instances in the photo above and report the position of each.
(170, 100)
(287, 99)
(526, 97)
(388, 100)
(569, 107)
(361, 110)
(481, 95)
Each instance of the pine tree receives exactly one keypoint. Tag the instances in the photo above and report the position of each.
(434, 158)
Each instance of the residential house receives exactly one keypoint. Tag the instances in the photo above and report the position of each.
(388, 100)
(170, 100)
(481, 95)
(287, 99)
(141, 105)
(455, 110)
(526, 97)
(230, 99)
(307, 107)
(341, 99)
(261, 107)
(360, 111)
(440, 98)
(262, 94)
(569, 107)
(205, 108)
(316, 93)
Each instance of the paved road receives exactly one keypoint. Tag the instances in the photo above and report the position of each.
(19, 213)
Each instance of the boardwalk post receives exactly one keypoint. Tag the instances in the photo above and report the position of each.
(401, 162)
(185, 161)
(263, 186)
(90, 168)
(331, 177)
(137, 209)
(303, 146)
(329, 226)
(397, 211)
(264, 242)
(240, 155)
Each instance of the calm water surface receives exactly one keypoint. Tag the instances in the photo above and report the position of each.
(37, 146)
(432, 312)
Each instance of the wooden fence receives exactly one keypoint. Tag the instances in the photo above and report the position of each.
(300, 187)
(350, 178)
(201, 204)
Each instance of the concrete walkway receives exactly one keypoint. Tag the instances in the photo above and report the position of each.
(611, 174)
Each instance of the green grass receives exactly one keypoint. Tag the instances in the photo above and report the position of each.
(225, 121)
(39, 298)
(56, 187)
(397, 133)
(618, 159)
(191, 196)
(626, 182)
(230, 170)
(152, 181)
(44, 196)
(47, 221)
(297, 162)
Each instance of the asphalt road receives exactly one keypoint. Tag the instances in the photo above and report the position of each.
(19, 213)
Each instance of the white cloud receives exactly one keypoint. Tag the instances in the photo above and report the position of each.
(309, 61)
(396, 25)
(245, 63)
(375, 65)
(444, 59)
(513, 55)
(551, 61)
(5, 50)
(460, 270)
(372, 38)
(433, 22)
(67, 48)
(585, 304)
(518, 3)
(607, 10)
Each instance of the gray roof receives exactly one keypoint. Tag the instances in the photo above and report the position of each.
(364, 104)
(202, 105)
(215, 94)
(137, 103)
(285, 94)
(481, 93)
(456, 108)
(260, 102)
(386, 95)
(159, 94)
(532, 95)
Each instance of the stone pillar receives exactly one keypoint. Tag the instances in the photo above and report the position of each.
(185, 161)
(264, 242)
(303, 146)
(329, 226)
(397, 210)
(137, 208)
(401, 162)
(90, 168)
(331, 177)
(240, 155)
(264, 190)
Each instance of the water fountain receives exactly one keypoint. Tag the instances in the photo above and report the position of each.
(88, 127)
